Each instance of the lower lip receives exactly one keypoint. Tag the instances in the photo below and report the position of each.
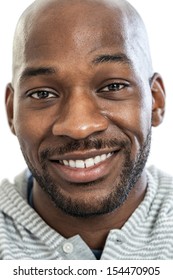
(84, 175)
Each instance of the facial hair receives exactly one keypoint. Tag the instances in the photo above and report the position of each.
(130, 173)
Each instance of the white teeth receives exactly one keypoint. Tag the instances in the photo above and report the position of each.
(109, 155)
(65, 162)
(86, 163)
(103, 157)
(80, 164)
(89, 162)
(97, 159)
(72, 163)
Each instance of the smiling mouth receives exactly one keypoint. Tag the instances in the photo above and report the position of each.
(89, 162)
(84, 170)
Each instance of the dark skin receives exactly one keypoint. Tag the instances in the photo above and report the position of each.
(84, 99)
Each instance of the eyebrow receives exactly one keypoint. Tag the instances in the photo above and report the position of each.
(32, 72)
(105, 58)
(120, 58)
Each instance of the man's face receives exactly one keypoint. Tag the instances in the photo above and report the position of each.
(82, 112)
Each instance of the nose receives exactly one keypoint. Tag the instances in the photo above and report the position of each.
(80, 117)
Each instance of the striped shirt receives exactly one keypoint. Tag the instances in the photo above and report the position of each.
(148, 233)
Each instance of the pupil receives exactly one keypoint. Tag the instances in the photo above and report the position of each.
(42, 94)
(113, 87)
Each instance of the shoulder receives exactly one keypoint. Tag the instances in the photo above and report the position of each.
(160, 185)
(159, 178)
(11, 191)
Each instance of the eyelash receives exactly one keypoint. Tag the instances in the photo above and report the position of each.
(45, 94)
(115, 89)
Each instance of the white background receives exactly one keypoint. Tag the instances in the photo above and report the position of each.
(158, 17)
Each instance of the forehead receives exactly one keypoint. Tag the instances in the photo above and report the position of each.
(80, 29)
(64, 35)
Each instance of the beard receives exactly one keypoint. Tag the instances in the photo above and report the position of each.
(129, 175)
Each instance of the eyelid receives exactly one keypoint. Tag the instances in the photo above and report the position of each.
(30, 93)
(123, 84)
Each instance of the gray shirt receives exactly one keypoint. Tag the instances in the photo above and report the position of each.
(148, 233)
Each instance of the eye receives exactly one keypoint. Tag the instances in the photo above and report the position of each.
(113, 87)
(42, 94)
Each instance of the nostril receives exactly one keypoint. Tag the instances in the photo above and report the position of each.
(80, 127)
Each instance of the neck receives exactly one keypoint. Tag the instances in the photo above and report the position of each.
(93, 230)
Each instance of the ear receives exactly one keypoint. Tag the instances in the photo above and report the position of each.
(158, 94)
(9, 97)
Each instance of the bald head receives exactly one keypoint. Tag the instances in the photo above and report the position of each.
(62, 19)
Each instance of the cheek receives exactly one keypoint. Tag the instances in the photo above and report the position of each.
(146, 118)
(132, 118)
(31, 129)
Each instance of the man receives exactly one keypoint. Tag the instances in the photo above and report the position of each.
(82, 102)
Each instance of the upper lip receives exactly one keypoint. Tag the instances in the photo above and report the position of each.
(82, 155)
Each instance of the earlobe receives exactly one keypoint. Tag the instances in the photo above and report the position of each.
(158, 94)
(9, 97)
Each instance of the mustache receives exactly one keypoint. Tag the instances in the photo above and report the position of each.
(85, 145)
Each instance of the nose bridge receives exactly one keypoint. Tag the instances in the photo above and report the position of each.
(80, 116)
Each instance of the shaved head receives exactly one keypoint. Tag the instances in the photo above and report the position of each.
(44, 18)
